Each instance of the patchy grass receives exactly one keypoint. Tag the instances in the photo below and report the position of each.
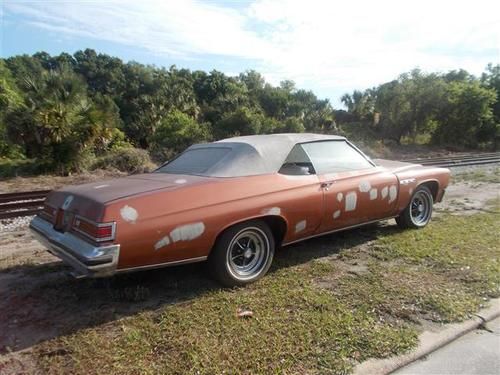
(327, 304)
(491, 175)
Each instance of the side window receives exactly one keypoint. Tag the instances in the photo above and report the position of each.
(297, 163)
(335, 156)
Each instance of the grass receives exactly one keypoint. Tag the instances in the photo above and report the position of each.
(490, 175)
(326, 305)
(19, 167)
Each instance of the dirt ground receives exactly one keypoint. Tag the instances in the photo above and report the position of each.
(39, 301)
(47, 182)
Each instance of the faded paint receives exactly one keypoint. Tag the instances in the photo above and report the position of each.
(384, 192)
(393, 192)
(331, 176)
(180, 181)
(67, 202)
(364, 186)
(165, 241)
(187, 232)
(161, 208)
(351, 199)
(336, 214)
(101, 186)
(373, 194)
(129, 214)
(340, 196)
(272, 211)
(300, 226)
(410, 191)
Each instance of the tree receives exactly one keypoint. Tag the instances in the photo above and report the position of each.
(243, 121)
(466, 118)
(176, 132)
(57, 122)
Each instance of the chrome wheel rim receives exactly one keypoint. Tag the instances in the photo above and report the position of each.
(420, 210)
(247, 253)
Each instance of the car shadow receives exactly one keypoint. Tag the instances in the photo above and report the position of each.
(41, 302)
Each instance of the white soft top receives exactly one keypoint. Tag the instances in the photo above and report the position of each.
(257, 154)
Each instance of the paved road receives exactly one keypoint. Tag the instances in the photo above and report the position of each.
(475, 353)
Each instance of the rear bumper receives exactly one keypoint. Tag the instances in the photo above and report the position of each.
(86, 259)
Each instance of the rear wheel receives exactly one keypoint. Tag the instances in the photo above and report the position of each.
(418, 213)
(242, 254)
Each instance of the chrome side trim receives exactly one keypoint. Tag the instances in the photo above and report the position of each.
(162, 265)
(338, 230)
(86, 259)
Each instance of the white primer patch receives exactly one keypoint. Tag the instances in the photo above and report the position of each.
(272, 211)
(407, 181)
(300, 226)
(373, 194)
(340, 196)
(393, 192)
(364, 186)
(351, 199)
(129, 214)
(336, 214)
(187, 232)
(101, 186)
(180, 181)
(67, 202)
(384, 191)
(165, 241)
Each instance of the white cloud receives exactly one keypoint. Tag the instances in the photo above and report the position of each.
(328, 46)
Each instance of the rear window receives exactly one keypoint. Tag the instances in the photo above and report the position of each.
(197, 161)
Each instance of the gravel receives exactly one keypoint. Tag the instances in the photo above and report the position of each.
(14, 224)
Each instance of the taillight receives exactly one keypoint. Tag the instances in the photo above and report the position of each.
(98, 232)
(49, 213)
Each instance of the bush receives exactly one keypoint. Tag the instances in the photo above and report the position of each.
(128, 159)
(176, 132)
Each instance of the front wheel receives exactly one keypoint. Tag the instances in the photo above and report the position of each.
(242, 254)
(418, 213)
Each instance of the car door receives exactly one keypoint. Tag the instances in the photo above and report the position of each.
(355, 189)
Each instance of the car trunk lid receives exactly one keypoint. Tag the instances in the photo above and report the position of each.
(89, 200)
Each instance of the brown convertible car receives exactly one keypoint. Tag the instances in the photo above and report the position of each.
(232, 202)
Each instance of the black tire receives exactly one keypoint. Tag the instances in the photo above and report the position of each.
(418, 213)
(242, 254)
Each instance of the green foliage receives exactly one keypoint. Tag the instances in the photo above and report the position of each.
(466, 117)
(453, 109)
(176, 132)
(126, 159)
(63, 111)
(243, 121)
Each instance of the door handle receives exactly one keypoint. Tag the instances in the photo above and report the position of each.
(326, 185)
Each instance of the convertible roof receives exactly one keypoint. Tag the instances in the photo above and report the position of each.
(258, 154)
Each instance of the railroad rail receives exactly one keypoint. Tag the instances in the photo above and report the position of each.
(462, 160)
(29, 203)
(25, 203)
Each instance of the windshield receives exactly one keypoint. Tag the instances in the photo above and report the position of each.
(196, 161)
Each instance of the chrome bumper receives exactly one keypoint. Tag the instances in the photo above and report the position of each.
(86, 259)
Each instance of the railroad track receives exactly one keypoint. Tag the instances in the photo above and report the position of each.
(26, 203)
(31, 202)
(458, 160)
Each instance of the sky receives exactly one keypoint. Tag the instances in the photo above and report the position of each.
(329, 47)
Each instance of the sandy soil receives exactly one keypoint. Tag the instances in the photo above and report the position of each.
(468, 197)
(46, 182)
(39, 301)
